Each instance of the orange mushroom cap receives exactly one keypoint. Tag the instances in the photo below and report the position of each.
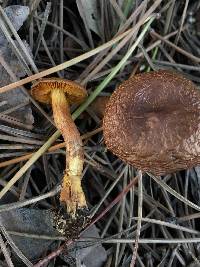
(41, 90)
(152, 121)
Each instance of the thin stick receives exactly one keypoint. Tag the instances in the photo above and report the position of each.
(14, 247)
(183, 17)
(139, 222)
(177, 48)
(107, 193)
(51, 149)
(5, 252)
(174, 193)
(21, 45)
(42, 29)
(171, 225)
(53, 255)
(144, 241)
(23, 203)
(132, 183)
(64, 65)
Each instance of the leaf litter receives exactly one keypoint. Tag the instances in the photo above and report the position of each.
(17, 15)
(169, 233)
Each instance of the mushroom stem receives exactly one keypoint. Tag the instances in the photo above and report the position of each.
(72, 194)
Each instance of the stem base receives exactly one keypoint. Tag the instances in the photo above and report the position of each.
(72, 195)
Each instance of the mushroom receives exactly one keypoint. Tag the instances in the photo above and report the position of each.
(99, 105)
(152, 121)
(61, 93)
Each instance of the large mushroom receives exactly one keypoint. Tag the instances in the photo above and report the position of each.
(152, 121)
(61, 93)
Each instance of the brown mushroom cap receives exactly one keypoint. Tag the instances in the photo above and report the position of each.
(41, 90)
(152, 122)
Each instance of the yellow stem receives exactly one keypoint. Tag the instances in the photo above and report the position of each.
(72, 194)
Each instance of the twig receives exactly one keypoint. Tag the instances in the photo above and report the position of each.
(5, 253)
(14, 247)
(115, 201)
(107, 193)
(53, 254)
(145, 241)
(139, 222)
(43, 26)
(64, 65)
(51, 149)
(171, 225)
(177, 48)
(174, 193)
(23, 203)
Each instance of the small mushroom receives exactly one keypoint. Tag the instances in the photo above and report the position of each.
(61, 93)
(152, 121)
(99, 105)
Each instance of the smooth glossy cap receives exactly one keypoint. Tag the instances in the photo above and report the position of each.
(152, 122)
(41, 90)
